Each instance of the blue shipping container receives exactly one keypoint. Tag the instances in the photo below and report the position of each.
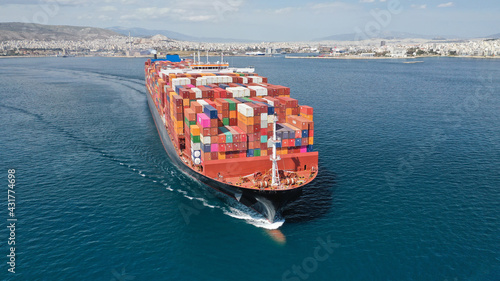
(210, 111)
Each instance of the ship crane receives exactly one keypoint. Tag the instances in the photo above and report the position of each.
(274, 158)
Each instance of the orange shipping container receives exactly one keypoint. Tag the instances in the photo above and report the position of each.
(195, 130)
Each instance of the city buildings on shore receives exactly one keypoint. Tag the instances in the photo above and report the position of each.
(135, 46)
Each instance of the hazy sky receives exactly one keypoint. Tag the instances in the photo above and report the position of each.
(290, 20)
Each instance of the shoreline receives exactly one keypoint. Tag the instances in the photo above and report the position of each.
(390, 58)
(286, 57)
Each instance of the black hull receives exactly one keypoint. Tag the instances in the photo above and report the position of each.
(265, 202)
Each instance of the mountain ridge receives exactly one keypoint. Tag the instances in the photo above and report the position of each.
(32, 31)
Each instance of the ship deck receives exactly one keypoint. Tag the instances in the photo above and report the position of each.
(261, 180)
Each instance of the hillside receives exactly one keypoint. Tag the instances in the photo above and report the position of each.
(29, 31)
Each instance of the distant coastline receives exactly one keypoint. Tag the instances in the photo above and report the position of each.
(389, 58)
(287, 57)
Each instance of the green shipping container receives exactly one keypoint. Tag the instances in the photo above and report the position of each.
(232, 105)
(229, 137)
(256, 152)
(225, 121)
(195, 139)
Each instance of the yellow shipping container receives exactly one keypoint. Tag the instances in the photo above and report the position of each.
(195, 130)
(185, 102)
(311, 140)
(222, 155)
(308, 117)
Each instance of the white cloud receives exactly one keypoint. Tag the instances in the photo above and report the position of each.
(331, 5)
(201, 18)
(188, 10)
(105, 18)
(446, 5)
(108, 9)
(419, 7)
(366, 1)
(284, 10)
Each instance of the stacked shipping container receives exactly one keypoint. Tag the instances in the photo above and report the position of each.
(215, 116)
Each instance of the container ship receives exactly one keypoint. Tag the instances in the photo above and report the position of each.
(233, 131)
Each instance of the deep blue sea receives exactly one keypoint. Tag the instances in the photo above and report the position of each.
(409, 187)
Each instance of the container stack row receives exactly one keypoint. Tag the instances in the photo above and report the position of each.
(217, 116)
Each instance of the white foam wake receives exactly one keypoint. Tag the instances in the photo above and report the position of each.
(253, 219)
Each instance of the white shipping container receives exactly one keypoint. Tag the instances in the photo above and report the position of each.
(246, 110)
(255, 79)
(180, 82)
(195, 146)
(239, 92)
(201, 81)
(202, 102)
(225, 79)
(261, 91)
(263, 117)
(198, 93)
(269, 102)
(211, 79)
(205, 140)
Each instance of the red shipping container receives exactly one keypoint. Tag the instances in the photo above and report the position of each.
(253, 93)
(192, 94)
(214, 155)
(304, 109)
(190, 114)
(229, 147)
(206, 132)
(177, 100)
(299, 122)
(214, 123)
(196, 107)
(206, 156)
(243, 146)
(222, 147)
(285, 143)
(214, 131)
(221, 138)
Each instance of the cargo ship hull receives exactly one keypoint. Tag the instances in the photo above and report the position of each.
(265, 202)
